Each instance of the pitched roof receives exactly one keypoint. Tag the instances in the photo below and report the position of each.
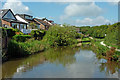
(41, 22)
(23, 15)
(30, 21)
(4, 11)
(27, 20)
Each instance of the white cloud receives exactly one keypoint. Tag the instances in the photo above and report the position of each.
(80, 14)
(89, 9)
(16, 6)
(100, 20)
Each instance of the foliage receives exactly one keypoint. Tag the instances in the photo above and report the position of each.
(99, 49)
(60, 36)
(18, 49)
(78, 35)
(112, 36)
(86, 39)
(17, 30)
(95, 31)
(38, 34)
(21, 38)
(9, 32)
(33, 25)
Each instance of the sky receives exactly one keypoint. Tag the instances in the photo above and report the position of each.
(73, 13)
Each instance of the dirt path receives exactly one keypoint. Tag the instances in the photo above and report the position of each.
(102, 43)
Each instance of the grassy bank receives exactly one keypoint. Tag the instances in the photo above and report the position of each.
(19, 49)
(24, 45)
(104, 52)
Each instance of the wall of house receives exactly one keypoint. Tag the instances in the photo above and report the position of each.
(42, 26)
(6, 23)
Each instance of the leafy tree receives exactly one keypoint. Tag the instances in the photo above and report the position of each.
(33, 25)
(60, 36)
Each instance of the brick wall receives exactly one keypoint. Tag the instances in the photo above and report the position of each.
(42, 26)
(6, 23)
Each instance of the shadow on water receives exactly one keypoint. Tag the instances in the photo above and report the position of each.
(58, 55)
(62, 55)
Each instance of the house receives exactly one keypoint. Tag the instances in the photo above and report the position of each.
(50, 22)
(43, 25)
(27, 19)
(9, 20)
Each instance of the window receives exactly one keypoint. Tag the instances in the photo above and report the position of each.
(9, 15)
(14, 25)
(28, 17)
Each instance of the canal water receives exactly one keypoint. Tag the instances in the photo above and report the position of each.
(61, 62)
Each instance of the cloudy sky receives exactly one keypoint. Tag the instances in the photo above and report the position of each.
(74, 13)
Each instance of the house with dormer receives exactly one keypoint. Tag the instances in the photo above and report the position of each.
(43, 25)
(27, 19)
(9, 20)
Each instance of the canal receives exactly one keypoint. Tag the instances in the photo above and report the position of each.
(62, 62)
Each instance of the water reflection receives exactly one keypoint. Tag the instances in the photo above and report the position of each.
(61, 55)
(60, 62)
(109, 67)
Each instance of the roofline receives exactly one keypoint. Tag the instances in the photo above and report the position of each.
(7, 12)
(24, 14)
(41, 22)
(22, 18)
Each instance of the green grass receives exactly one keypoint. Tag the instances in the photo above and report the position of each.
(86, 39)
(108, 44)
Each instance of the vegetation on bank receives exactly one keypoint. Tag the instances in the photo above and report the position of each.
(22, 45)
(19, 49)
(94, 31)
(112, 37)
(103, 51)
(39, 40)
(60, 36)
(107, 33)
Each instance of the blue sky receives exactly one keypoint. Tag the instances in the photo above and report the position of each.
(82, 13)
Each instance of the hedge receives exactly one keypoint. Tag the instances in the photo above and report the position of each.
(9, 32)
(21, 38)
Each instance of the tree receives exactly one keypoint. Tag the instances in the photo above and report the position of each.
(33, 25)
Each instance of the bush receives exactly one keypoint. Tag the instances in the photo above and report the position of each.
(60, 36)
(9, 32)
(38, 34)
(17, 30)
(19, 49)
(21, 38)
(78, 35)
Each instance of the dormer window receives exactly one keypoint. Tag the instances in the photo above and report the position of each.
(28, 17)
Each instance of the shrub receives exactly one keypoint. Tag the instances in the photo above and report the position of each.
(21, 38)
(19, 49)
(17, 30)
(78, 35)
(38, 34)
(60, 36)
(9, 32)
